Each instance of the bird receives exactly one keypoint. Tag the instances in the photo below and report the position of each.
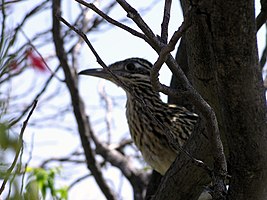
(149, 118)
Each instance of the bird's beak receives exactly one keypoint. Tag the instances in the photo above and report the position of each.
(97, 72)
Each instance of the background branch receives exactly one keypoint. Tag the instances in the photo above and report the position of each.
(78, 105)
(165, 21)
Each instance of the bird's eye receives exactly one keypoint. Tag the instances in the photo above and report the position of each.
(130, 66)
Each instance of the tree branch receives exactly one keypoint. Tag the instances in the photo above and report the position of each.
(165, 51)
(78, 180)
(165, 21)
(137, 178)
(112, 21)
(262, 16)
(78, 105)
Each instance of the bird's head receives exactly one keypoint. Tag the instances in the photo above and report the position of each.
(133, 72)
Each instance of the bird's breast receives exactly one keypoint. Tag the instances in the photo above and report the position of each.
(148, 136)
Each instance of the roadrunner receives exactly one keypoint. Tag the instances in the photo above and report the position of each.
(149, 118)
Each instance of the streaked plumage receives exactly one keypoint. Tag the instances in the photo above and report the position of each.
(148, 117)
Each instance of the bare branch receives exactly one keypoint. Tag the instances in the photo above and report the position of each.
(136, 178)
(134, 15)
(110, 20)
(108, 107)
(165, 21)
(10, 2)
(78, 180)
(84, 37)
(78, 105)
(27, 164)
(165, 52)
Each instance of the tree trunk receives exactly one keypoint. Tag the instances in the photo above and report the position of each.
(223, 60)
(242, 97)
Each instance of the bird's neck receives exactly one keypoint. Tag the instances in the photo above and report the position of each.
(143, 95)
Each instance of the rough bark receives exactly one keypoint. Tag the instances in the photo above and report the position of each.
(201, 61)
(242, 97)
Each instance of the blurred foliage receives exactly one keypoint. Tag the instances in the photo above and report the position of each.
(43, 181)
(5, 140)
(40, 182)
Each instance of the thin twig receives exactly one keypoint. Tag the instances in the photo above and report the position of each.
(69, 158)
(78, 180)
(20, 143)
(165, 21)
(135, 16)
(108, 108)
(110, 20)
(26, 165)
(165, 51)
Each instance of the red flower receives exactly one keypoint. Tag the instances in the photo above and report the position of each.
(36, 61)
